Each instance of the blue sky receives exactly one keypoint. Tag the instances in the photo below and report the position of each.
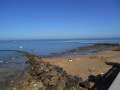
(37, 19)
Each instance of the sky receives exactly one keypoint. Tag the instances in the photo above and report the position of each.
(49, 19)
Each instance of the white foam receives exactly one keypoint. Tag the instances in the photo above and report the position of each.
(21, 47)
(1, 61)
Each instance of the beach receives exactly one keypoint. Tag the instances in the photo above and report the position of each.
(67, 70)
(85, 65)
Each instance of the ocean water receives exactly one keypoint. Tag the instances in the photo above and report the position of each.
(12, 68)
(47, 47)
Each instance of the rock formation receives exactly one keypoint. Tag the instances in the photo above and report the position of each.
(44, 76)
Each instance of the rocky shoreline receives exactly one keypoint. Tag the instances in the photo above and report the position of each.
(46, 76)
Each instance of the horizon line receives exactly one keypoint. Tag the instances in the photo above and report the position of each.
(64, 38)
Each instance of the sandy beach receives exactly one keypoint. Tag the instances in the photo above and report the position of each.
(84, 65)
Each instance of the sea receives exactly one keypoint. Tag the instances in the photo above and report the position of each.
(49, 46)
(12, 63)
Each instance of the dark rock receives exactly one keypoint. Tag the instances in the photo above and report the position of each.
(117, 49)
(54, 77)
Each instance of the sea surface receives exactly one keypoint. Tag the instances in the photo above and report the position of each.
(47, 47)
(12, 67)
(12, 63)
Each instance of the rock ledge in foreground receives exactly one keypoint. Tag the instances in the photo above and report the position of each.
(44, 76)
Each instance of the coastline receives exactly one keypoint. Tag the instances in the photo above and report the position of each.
(93, 62)
(72, 64)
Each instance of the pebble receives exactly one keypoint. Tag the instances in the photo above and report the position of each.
(34, 85)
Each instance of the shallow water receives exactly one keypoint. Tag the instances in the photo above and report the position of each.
(12, 67)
